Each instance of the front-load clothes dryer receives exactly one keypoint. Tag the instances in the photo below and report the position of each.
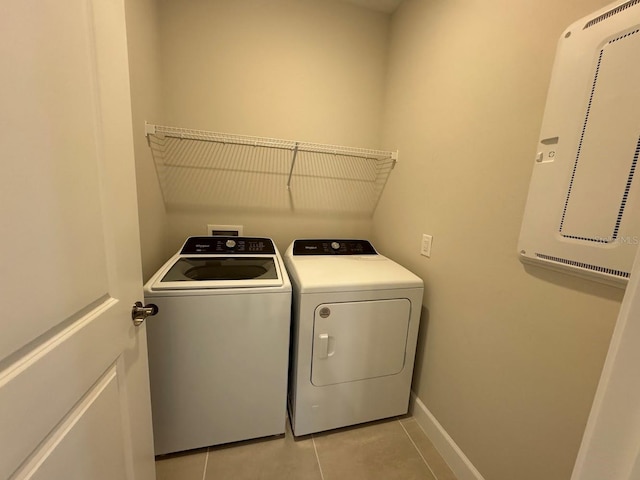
(355, 320)
(218, 347)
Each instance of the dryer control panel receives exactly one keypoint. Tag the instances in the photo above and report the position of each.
(235, 245)
(333, 247)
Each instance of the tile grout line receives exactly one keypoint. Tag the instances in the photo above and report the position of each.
(206, 462)
(417, 450)
(315, 449)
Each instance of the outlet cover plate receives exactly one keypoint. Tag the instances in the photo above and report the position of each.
(425, 247)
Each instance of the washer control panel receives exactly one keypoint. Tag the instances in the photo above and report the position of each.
(235, 245)
(333, 247)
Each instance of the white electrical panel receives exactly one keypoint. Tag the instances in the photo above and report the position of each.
(583, 208)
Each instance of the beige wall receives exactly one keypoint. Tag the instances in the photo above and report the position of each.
(144, 62)
(508, 358)
(300, 70)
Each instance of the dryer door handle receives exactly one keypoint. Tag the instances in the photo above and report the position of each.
(326, 345)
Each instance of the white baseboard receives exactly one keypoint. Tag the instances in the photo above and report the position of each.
(451, 453)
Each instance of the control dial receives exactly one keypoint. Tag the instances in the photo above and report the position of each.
(230, 243)
(335, 245)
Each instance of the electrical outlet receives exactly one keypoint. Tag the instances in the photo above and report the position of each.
(425, 247)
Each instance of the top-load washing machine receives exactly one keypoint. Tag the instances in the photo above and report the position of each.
(355, 322)
(218, 347)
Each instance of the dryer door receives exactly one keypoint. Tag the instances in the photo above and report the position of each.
(359, 340)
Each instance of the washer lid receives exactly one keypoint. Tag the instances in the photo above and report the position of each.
(197, 272)
(221, 262)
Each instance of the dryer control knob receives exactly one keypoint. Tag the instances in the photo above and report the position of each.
(335, 245)
(230, 243)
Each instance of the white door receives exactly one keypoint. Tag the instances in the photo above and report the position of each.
(358, 340)
(611, 444)
(74, 394)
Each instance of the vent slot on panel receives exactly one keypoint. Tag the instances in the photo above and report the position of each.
(611, 13)
(595, 268)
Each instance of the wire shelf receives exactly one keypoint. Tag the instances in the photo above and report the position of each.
(208, 169)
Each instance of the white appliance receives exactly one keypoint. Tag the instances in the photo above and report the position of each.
(583, 208)
(355, 324)
(218, 347)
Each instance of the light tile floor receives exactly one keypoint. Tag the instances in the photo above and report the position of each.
(389, 449)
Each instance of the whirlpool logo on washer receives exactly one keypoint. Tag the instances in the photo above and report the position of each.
(325, 312)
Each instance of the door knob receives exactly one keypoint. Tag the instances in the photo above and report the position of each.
(139, 313)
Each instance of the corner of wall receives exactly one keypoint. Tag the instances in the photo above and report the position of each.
(142, 34)
(460, 465)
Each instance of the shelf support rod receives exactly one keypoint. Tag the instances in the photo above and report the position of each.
(293, 163)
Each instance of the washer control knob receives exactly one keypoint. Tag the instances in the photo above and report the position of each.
(335, 245)
(230, 243)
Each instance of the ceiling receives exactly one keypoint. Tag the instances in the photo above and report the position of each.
(386, 6)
